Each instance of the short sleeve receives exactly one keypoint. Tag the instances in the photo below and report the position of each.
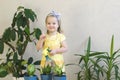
(62, 37)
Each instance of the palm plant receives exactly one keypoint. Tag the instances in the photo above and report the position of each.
(111, 68)
(88, 63)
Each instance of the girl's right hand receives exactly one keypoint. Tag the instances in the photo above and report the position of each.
(42, 37)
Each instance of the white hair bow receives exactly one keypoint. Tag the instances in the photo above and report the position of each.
(56, 14)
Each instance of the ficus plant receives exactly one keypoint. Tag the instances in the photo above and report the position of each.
(17, 37)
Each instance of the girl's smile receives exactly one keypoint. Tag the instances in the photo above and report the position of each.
(52, 24)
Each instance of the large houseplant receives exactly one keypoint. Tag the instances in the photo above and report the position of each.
(111, 66)
(89, 68)
(16, 37)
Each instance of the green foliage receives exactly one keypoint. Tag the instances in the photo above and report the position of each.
(37, 33)
(3, 71)
(14, 64)
(31, 66)
(46, 70)
(20, 34)
(88, 64)
(94, 64)
(31, 69)
(57, 70)
(1, 47)
(111, 68)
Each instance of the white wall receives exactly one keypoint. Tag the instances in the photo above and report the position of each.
(99, 19)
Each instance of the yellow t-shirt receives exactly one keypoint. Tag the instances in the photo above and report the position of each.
(53, 42)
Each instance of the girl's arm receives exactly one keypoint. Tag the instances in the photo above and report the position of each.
(62, 49)
(40, 42)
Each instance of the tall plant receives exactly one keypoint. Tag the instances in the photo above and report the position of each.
(111, 67)
(88, 63)
(17, 37)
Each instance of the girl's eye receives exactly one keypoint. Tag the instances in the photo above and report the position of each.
(54, 23)
(48, 23)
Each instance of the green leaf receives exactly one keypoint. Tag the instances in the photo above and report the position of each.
(1, 47)
(9, 64)
(89, 46)
(31, 69)
(25, 22)
(34, 14)
(3, 72)
(13, 35)
(96, 53)
(19, 15)
(20, 7)
(37, 62)
(24, 62)
(15, 57)
(20, 49)
(20, 35)
(29, 14)
(8, 55)
(14, 20)
(20, 20)
(30, 60)
(112, 46)
(37, 33)
(6, 34)
(27, 30)
(46, 70)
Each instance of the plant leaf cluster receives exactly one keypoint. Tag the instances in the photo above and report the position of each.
(94, 64)
(17, 37)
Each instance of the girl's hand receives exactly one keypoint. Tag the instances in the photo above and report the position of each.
(42, 37)
(53, 52)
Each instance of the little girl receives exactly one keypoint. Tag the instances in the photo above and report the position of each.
(53, 40)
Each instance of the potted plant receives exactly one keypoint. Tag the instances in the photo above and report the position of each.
(30, 73)
(17, 37)
(89, 68)
(58, 74)
(111, 67)
(46, 71)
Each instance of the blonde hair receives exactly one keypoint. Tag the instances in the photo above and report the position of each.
(57, 16)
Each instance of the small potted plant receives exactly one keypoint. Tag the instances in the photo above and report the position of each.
(46, 73)
(47, 69)
(30, 73)
(30, 69)
(58, 73)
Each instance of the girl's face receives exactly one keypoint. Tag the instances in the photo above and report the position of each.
(52, 24)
